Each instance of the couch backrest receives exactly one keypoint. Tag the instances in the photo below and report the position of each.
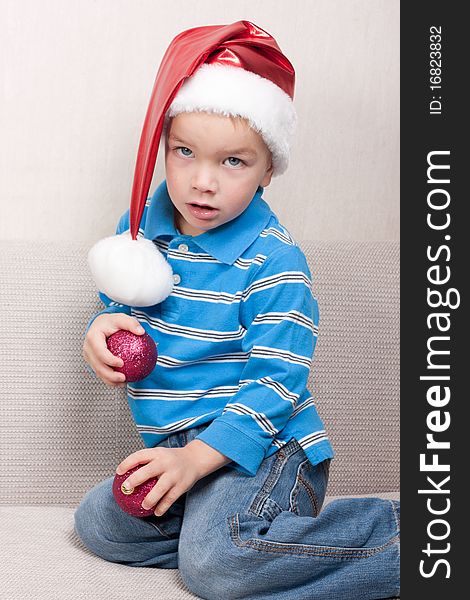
(62, 430)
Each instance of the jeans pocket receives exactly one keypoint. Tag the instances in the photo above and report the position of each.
(290, 483)
(308, 492)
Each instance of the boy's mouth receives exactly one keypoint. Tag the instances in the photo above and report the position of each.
(202, 211)
(201, 205)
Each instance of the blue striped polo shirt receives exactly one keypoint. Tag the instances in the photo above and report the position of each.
(235, 338)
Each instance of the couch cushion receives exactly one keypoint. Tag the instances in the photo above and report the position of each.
(42, 558)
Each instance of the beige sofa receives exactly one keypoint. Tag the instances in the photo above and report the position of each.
(62, 430)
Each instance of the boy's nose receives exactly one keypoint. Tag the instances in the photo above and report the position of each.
(204, 180)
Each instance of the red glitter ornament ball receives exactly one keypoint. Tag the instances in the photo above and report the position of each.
(138, 352)
(132, 502)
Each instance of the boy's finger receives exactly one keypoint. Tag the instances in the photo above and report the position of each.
(109, 375)
(154, 497)
(140, 457)
(140, 476)
(123, 321)
(96, 350)
(107, 358)
(165, 503)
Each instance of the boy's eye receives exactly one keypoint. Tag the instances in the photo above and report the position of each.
(185, 151)
(234, 162)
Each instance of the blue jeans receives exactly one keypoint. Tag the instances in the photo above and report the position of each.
(258, 538)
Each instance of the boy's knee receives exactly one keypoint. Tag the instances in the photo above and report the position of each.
(208, 564)
(93, 516)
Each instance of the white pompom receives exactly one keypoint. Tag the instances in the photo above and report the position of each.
(131, 272)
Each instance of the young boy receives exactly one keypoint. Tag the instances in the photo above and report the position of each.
(230, 429)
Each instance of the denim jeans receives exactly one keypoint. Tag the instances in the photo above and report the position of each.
(259, 538)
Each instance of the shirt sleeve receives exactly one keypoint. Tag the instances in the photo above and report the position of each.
(110, 305)
(280, 315)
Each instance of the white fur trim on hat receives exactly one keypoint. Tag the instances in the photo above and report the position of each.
(130, 272)
(233, 91)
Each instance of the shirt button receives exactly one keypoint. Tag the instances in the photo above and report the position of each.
(176, 279)
(183, 247)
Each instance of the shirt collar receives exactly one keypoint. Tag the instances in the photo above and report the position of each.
(226, 242)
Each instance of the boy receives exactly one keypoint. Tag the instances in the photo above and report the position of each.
(229, 426)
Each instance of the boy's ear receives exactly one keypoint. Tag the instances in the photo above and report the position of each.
(267, 177)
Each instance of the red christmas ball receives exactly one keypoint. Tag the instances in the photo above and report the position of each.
(138, 352)
(131, 502)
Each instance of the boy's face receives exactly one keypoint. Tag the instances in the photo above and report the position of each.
(210, 181)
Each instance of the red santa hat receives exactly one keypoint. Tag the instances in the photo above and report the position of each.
(231, 70)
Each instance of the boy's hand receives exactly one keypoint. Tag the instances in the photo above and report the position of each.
(95, 350)
(177, 469)
(177, 472)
